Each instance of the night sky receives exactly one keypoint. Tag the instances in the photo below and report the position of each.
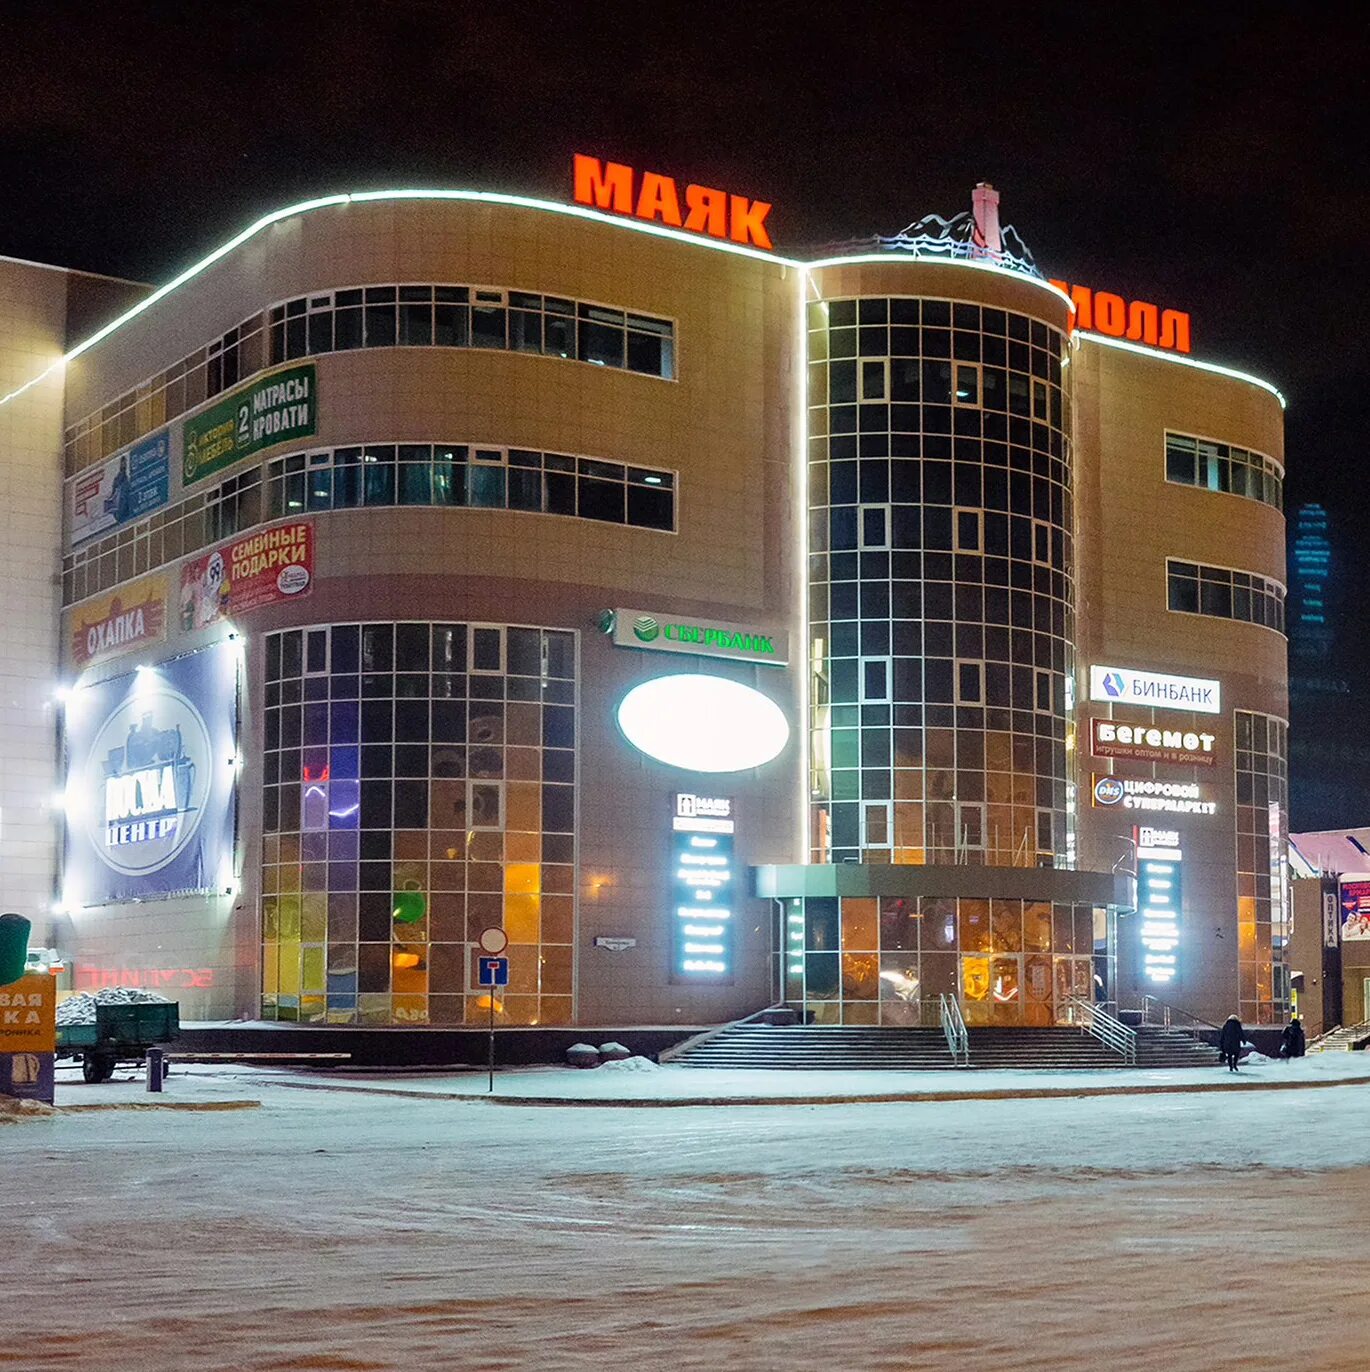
(1199, 157)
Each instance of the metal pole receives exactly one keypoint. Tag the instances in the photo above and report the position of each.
(491, 1087)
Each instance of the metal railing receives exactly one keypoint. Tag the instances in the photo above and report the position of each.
(1111, 1032)
(954, 1027)
(1158, 1014)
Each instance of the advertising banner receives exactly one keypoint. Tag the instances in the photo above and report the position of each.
(274, 409)
(670, 633)
(28, 1037)
(151, 781)
(258, 569)
(114, 623)
(1157, 689)
(121, 489)
(1147, 743)
(1355, 909)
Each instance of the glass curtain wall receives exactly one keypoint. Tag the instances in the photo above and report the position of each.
(418, 787)
(941, 584)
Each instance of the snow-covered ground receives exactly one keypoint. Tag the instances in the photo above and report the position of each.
(345, 1230)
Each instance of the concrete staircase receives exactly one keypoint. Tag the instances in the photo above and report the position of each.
(851, 1048)
(1347, 1038)
(1174, 1048)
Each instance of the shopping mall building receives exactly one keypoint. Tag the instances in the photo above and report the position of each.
(853, 629)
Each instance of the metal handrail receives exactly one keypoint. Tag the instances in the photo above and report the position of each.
(1111, 1032)
(1159, 1014)
(954, 1027)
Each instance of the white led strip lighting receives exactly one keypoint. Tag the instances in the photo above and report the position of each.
(596, 216)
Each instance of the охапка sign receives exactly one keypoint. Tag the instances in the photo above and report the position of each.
(700, 638)
(274, 409)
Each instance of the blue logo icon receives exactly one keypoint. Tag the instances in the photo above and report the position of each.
(1108, 791)
(1114, 685)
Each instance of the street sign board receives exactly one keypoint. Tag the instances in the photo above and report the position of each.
(494, 971)
(493, 940)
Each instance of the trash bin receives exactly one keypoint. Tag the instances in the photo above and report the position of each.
(14, 947)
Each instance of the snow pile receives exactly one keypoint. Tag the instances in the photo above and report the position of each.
(633, 1064)
(80, 1008)
(12, 1111)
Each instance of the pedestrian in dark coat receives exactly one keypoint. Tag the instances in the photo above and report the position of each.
(1230, 1042)
(1292, 1043)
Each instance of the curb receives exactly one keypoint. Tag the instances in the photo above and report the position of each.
(883, 1098)
(90, 1107)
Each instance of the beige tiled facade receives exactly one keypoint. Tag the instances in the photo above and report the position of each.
(750, 420)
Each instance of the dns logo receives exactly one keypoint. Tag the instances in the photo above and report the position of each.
(1108, 791)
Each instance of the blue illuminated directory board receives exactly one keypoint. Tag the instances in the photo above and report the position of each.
(1160, 901)
(702, 830)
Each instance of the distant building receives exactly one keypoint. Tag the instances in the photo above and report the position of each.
(1329, 766)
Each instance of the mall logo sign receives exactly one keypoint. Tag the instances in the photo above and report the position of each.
(1158, 690)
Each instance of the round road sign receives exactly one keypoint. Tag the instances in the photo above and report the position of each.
(493, 941)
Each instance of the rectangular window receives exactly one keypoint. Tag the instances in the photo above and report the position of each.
(1041, 542)
(967, 384)
(486, 653)
(877, 824)
(875, 379)
(1042, 690)
(1224, 593)
(875, 680)
(875, 526)
(970, 683)
(1213, 466)
(970, 531)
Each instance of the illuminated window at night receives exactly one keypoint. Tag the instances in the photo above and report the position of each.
(1224, 467)
(370, 475)
(472, 317)
(1223, 593)
(417, 787)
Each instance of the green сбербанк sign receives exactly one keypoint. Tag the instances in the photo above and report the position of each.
(704, 638)
(275, 409)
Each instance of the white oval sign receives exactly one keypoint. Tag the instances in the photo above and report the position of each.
(293, 579)
(703, 723)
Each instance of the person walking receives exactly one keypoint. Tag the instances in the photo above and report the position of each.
(1292, 1042)
(1230, 1042)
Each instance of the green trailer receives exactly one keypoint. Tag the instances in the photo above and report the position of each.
(121, 1033)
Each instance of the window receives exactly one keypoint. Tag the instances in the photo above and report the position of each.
(1223, 593)
(475, 317)
(875, 680)
(875, 526)
(401, 797)
(877, 825)
(1041, 542)
(378, 474)
(967, 384)
(970, 683)
(969, 531)
(874, 379)
(1213, 466)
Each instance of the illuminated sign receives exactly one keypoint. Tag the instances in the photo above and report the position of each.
(700, 637)
(1102, 312)
(1167, 797)
(1156, 689)
(1147, 743)
(702, 829)
(1159, 902)
(649, 195)
(258, 569)
(703, 723)
(1355, 909)
(151, 781)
